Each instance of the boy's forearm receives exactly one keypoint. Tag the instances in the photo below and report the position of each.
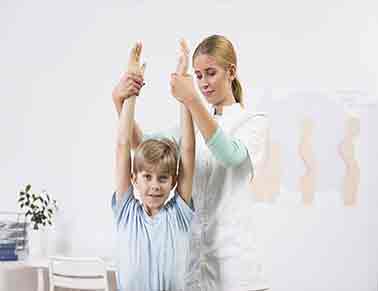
(187, 129)
(123, 156)
(126, 121)
(137, 132)
(137, 136)
(187, 150)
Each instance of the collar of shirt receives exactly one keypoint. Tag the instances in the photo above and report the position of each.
(228, 111)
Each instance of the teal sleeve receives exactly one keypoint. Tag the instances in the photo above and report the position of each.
(227, 150)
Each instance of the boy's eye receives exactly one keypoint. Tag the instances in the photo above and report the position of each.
(163, 179)
(147, 176)
(198, 76)
(211, 72)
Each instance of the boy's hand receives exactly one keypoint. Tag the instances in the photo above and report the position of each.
(183, 63)
(132, 81)
(182, 86)
(134, 60)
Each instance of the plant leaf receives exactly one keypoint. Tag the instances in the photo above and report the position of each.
(27, 188)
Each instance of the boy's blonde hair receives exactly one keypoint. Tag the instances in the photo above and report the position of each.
(156, 154)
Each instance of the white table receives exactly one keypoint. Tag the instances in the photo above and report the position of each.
(40, 265)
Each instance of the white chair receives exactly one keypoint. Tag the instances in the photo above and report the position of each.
(78, 273)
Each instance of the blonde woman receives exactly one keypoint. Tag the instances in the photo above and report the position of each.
(223, 249)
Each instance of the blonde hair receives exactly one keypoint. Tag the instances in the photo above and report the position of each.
(157, 154)
(220, 48)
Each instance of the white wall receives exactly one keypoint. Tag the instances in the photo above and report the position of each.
(60, 59)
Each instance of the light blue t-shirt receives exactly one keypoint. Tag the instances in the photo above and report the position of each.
(152, 252)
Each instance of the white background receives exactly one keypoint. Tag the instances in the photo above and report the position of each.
(60, 59)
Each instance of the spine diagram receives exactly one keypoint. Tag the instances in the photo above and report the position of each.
(308, 180)
(351, 178)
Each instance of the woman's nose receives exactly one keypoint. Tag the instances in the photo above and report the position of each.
(204, 85)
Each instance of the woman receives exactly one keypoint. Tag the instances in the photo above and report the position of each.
(223, 247)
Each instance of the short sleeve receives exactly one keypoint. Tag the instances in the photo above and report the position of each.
(253, 132)
(119, 207)
(184, 212)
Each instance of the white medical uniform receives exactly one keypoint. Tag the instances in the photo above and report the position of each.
(223, 253)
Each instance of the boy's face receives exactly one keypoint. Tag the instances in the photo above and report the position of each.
(154, 188)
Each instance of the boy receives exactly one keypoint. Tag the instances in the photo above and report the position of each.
(152, 236)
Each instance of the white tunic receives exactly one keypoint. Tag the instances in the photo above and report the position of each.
(223, 245)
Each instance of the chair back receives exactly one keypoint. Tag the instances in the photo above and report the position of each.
(78, 273)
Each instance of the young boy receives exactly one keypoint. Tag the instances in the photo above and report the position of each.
(152, 235)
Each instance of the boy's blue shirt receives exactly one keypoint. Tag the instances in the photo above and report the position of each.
(152, 252)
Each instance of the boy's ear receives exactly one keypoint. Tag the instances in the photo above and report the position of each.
(133, 178)
(174, 181)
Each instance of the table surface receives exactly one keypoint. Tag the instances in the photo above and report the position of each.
(43, 263)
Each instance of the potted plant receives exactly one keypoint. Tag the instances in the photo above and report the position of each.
(39, 211)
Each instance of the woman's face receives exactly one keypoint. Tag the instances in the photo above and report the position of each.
(213, 80)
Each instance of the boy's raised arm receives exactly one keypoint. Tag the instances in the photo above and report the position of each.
(125, 129)
(187, 154)
(123, 156)
(118, 101)
(187, 148)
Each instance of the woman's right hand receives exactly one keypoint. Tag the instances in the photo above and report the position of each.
(132, 81)
(129, 85)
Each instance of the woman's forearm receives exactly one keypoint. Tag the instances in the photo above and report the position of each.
(226, 149)
(202, 118)
(229, 151)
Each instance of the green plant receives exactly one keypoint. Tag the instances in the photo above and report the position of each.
(40, 207)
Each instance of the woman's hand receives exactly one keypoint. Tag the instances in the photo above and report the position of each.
(131, 82)
(129, 85)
